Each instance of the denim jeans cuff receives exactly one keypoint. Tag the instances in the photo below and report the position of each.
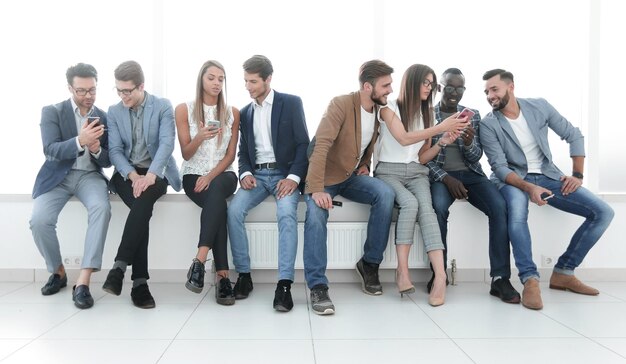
(528, 276)
(569, 272)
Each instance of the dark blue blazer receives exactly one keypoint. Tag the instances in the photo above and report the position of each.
(58, 130)
(290, 136)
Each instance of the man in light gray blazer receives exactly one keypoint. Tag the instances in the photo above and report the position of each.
(75, 146)
(515, 139)
(141, 140)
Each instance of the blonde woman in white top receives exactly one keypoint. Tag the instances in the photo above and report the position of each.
(400, 164)
(208, 134)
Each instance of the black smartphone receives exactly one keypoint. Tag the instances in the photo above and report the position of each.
(93, 119)
(337, 203)
(546, 196)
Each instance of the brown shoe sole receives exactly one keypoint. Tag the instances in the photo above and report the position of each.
(561, 288)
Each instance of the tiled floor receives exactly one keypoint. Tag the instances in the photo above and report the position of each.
(472, 327)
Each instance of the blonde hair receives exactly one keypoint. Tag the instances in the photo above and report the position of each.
(221, 113)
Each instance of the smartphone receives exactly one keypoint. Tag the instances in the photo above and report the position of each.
(466, 112)
(93, 119)
(546, 196)
(213, 124)
(337, 203)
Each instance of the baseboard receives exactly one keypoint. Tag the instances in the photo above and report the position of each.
(334, 275)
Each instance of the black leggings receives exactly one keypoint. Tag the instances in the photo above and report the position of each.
(213, 232)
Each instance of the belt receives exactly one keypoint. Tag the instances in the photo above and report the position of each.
(265, 166)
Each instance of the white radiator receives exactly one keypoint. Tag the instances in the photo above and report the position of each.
(345, 246)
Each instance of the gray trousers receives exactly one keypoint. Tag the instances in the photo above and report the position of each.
(412, 187)
(91, 190)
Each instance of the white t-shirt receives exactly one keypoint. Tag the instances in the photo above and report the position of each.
(367, 131)
(534, 155)
(387, 147)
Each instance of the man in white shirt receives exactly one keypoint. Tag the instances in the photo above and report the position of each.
(515, 139)
(272, 161)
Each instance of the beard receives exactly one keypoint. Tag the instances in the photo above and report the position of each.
(503, 102)
(378, 99)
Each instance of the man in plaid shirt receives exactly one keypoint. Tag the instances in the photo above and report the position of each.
(456, 174)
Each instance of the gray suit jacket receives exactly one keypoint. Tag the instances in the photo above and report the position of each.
(504, 151)
(158, 132)
(58, 133)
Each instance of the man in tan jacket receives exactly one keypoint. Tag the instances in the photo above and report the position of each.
(340, 165)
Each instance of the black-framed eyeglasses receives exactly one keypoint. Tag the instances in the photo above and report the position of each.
(451, 89)
(126, 91)
(428, 83)
(83, 92)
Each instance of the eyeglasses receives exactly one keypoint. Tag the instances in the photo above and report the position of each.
(451, 89)
(126, 92)
(83, 92)
(428, 83)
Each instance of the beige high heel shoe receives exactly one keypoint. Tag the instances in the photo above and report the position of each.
(406, 289)
(437, 300)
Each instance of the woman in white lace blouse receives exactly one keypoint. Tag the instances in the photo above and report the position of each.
(208, 134)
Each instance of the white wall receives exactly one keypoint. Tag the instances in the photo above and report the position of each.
(564, 52)
(175, 224)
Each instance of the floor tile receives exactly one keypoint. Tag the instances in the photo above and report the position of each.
(125, 321)
(617, 344)
(593, 320)
(8, 287)
(545, 350)
(388, 351)
(351, 293)
(163, 293)
(374, 321)
(8, 346)
(213, 321)
(614, 289)
(31, 293)
(239, 352)
(263, 295)
(90, 351)
(30, 320)
(494, 319)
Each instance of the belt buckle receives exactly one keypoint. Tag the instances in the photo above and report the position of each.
(270, 165)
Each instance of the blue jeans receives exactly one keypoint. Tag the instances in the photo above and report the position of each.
(362, 189)
(597, 213)
(286, 215)
(482, 194)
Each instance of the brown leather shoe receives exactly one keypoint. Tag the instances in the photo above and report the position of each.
(566, 282)
(531, 296)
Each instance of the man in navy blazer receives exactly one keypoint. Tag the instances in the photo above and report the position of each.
(141, 140)
(515, 139)
(272, 160)
(75, 142)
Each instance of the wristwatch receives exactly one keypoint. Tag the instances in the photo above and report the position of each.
(577, 175)
(441, 144)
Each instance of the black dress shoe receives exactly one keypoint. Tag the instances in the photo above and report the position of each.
(54, 284)
(195, 276)
(429, 285)
(282, 297)
(370, 283)
(114, 281)
(244, 286)
(224, 294)
(81, 296)
(141, 297)
(503, 289)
